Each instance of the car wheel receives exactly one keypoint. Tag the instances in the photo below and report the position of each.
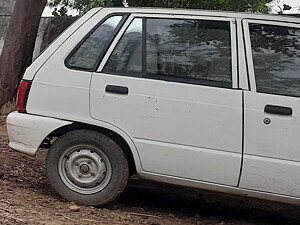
(87, 167)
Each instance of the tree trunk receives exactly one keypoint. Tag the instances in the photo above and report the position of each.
(18, 48)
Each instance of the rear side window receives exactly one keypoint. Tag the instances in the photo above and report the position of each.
(87, 53)
(189, 51)
(176, 50)
(276, 58)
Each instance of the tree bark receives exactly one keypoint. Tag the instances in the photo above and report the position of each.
(18, 48)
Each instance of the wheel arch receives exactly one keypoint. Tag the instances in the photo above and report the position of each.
(108, 132)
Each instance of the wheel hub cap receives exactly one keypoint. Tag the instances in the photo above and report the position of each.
(85, 170)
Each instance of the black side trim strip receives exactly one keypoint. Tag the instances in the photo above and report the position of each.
(243, 138)
(245, 53)
(144, 47)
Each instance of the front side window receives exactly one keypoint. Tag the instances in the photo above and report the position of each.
(86, 56)
(276, 58)
(189, 51)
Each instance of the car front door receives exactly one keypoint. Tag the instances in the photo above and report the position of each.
(272, 108)
(171, 85)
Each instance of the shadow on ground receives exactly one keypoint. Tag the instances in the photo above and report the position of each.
(184, 202)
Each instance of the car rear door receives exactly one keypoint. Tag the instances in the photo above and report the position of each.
(170, 83)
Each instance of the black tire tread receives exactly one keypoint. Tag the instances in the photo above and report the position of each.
(109, 147)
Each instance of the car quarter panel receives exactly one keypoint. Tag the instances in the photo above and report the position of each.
(27, 132)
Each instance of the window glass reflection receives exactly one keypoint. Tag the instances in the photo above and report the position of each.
(276, 57)
(189, 51)
(126, 59)
(86, 56)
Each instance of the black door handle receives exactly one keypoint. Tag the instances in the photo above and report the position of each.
(279, 110)
(117, 89)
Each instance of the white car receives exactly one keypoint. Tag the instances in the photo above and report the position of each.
(195, 98)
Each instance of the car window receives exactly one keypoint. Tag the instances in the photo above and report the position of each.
(126, 58)
(87, 54)
(189, 51)
(276, 58)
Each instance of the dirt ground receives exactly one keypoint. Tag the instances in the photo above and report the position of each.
(27, 198)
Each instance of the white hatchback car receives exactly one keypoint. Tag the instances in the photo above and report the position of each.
(194, 98)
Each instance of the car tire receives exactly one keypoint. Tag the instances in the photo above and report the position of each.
(87, 167)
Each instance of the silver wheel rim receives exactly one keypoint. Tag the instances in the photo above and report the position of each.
(84, 169)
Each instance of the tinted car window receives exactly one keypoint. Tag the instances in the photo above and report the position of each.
(126, 58)
(86, 56)
(189, 51)
(276, 57)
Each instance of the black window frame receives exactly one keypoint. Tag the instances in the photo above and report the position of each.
(106, 47)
